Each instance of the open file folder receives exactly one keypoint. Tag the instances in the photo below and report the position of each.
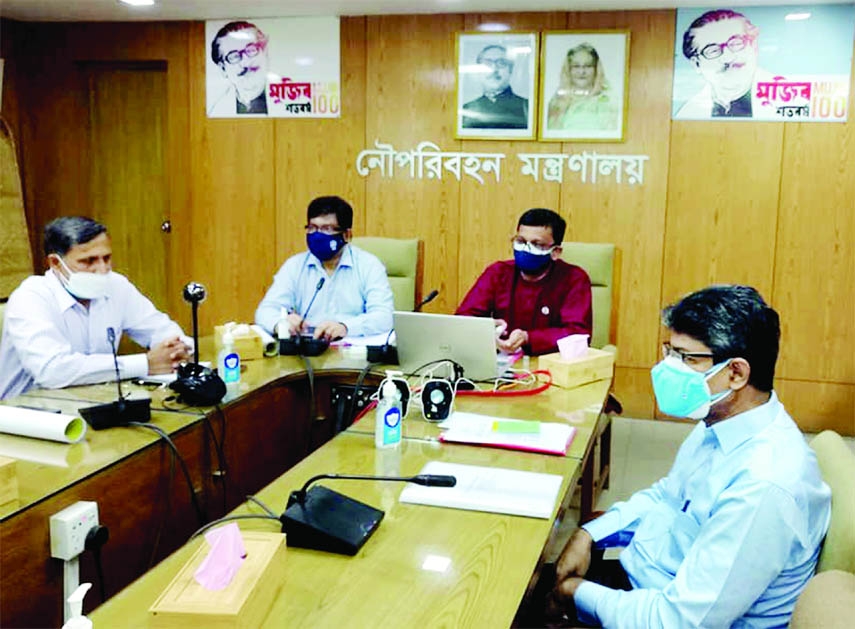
(512, 434)
(496, 490)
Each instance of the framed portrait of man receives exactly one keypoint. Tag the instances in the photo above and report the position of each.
(496, 79)
(584, 77)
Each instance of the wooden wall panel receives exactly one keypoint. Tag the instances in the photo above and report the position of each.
(818, 406)
(634, 390)
(815, 253)
(410, 87)
(491, 210)
(722, 205)
(315, 157)
(632, 217)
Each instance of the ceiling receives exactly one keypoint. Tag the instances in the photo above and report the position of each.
(113, 10)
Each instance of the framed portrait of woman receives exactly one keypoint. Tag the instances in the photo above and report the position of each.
(584, 79)
(496, 86)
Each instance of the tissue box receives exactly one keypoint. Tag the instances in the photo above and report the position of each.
(245, 602)
(8, 481)
(597, 365)
(248, 347)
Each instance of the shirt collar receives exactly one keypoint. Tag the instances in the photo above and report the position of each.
(346, 258)
(734, 431)
(62, 296)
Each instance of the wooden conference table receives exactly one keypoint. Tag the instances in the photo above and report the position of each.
(267, 433)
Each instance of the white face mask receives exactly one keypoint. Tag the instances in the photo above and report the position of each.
(84, 285)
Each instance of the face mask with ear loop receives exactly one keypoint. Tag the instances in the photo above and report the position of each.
(84, 285)
(683, 392)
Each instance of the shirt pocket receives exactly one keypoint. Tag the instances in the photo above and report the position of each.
(678, 541)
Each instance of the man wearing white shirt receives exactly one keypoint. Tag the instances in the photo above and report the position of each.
(55, 330)
(731, 536)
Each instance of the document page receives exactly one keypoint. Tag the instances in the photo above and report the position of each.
(492, 489)
(514, 434)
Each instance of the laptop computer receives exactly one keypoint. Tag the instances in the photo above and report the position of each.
(470, 341)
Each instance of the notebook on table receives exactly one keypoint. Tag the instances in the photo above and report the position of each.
(469, 341)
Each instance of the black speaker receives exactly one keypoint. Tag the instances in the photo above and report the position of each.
(437, 398)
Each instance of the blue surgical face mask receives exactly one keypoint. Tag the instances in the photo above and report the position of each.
(530, 259)
(325, 246)
(683, 392)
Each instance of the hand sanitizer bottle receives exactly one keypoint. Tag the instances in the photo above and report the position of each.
(76, 619)
(387, 424)
(228, 362)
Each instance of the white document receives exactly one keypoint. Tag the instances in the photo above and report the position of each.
(511, 434)
(492, 489)
(41, 425)
(363, 341)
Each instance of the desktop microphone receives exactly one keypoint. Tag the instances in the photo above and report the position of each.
(122, 411)
(386, 353)
(323, 519)
(424, 302)
(195, 384)
(304, 344)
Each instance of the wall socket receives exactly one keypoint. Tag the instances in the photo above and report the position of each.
(68, 529)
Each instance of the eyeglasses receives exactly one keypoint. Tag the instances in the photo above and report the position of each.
(688, 358)
(521, 244)
(251, 50)
(734, 44)
(501, 64)
(329, 230)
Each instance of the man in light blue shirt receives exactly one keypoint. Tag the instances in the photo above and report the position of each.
(730, 537)
(355, 298)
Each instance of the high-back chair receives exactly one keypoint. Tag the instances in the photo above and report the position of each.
(597, 259)
(403, 261)
(828, 600)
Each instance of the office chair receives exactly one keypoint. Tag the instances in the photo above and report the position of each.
(403, 259)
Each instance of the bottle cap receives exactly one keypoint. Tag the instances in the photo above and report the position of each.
(389, 389)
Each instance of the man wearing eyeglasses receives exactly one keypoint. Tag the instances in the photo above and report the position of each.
(498, 107)
(536, 298)
(240, 51)
(723, 46)
(355, 299)
(731, 536)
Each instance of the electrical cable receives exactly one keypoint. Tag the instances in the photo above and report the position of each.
(310, 377)
(222, 472)
(262, 505)
(230, 518)
(95, 539)
(166, 513)
(177, 454)
(359, 380)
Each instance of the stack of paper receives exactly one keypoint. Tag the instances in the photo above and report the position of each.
(496, 490)
(513, 434)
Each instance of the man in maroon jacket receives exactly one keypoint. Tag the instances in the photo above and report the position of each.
(539, 297)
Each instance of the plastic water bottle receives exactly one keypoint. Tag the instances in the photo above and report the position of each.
(387, 425)
(228, 362)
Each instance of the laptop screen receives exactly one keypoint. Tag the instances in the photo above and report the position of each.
(425, 337)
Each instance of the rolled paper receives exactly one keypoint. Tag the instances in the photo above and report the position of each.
(269, 343)
(41, 425)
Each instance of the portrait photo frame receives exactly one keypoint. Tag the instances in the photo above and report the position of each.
(584, 86)
(496, 96)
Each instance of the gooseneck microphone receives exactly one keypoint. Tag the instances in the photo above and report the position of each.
(324, 519)
(123, 410)
(424, 302)
(387, 354)
(428, 480)
(194, 294)
(304, 345)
